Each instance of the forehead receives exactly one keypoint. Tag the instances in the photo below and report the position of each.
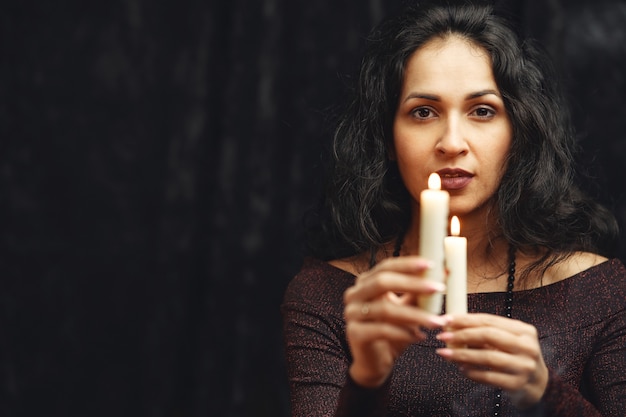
(449, 47)
(444, 60)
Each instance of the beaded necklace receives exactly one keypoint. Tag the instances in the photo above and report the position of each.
(508, 307)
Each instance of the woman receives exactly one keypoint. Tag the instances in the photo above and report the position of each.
(452, 90)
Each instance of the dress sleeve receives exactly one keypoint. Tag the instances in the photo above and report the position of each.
(561, 400)
(317, 365)
(316, 361)
(604, 380)
(606, 372)
(316, 349)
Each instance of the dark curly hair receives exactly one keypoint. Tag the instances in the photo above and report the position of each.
(539, 206)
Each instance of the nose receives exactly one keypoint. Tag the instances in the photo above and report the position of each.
(452, 141)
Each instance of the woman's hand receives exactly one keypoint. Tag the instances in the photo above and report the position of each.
(382, 317)
(497, 351)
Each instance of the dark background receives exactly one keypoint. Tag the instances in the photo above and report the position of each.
(156, 158)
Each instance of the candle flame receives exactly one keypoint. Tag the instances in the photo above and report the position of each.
(455, 226)
(434, 182)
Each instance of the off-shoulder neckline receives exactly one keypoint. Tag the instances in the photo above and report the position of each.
(610, 262)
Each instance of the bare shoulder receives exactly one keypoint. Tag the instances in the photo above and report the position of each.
(581, 261)
(574, 264)
(354, 265)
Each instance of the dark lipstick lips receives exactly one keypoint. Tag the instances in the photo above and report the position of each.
(454, 178)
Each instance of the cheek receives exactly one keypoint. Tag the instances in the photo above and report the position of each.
(411, 168)
(500, 146)
(498, 163)
(408, 156)
(409, 147)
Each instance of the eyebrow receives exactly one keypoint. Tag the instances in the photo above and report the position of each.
(482, 93)
(470, 96)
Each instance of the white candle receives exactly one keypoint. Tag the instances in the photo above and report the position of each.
(456, 264)
(433, 230)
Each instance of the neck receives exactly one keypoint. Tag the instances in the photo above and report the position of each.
(487, 254)
(482, 240)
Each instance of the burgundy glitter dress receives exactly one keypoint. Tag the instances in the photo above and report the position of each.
(582, 330)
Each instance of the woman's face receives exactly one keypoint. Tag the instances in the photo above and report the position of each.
(451, 120)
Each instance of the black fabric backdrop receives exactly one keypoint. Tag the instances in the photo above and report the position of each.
(155, 162)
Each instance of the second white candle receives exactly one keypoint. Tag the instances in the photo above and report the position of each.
(455, 248)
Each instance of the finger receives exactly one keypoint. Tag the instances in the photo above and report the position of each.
(390, 281)
(384, 310)
(459, 321)
(362, 332)
(506, 381)
(493, 360)
(410, 265)
(407, 264)
(495, 338)
(492, 367)
(524, 377)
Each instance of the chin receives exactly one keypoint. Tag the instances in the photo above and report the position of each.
(470, 210)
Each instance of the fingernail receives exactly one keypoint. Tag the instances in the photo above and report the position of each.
(437, 286)
(423, 264)
(437, 320)
(445, 336)
(445, 352)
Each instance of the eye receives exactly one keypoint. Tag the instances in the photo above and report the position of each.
(484, 112)
(422, 113)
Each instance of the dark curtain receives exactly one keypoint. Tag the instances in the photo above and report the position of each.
(156, 160)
